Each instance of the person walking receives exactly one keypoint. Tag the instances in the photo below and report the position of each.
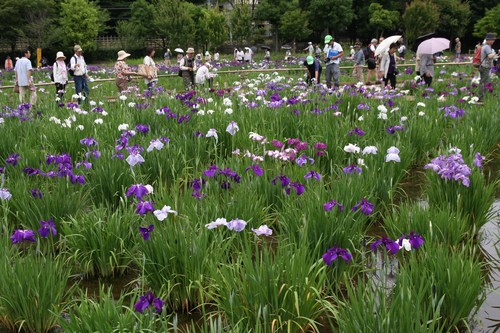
(309, 48)
(359, 62)
(371, 62)
(187, 67)
(80, 76)
(388, 68)
(123, 71)
(427, 68)
(24, 78)
(487, 57)
(333, 52)
(314, 69)
(60, 74)
(151, 70)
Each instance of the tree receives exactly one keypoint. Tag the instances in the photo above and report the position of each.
(331, 15)
(40, 28)
(134, 31)
(241, 23)
(173, 22)
(216, 27)
(295, 25)
(419, 18)
(382, 19)
(272, 11)
(454, 16)
(489, 23)
(82, 21)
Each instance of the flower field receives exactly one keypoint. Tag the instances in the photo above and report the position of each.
(264, 205)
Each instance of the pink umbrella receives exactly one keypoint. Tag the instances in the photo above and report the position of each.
(433, 45)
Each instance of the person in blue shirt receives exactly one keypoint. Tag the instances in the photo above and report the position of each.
(333, 52)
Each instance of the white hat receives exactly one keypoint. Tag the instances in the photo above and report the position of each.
(209, 65)
(207, 53)
(122, 55)
(60, 55)
(190, 50)
(77, 48)
(310, 43)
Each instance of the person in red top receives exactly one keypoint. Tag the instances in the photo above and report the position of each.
(8, 64)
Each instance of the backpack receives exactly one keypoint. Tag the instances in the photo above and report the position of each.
(476, 60)
(71, 72)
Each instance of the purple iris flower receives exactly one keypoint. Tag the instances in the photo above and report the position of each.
(36, 193)
(13, 159)
(142, 128)
(312, 174)
(415, 240)
(394, 129)
(80, 179)
(90, 141)
(357, 131)
(320, 146)
(331, 204)
(301, 145)
(146, 231)
(350, 169)
(94, 153)
(143, 207)
(364, 205)
(87, 165)
(197, 183)
(47, 228)
(335, 252)
(302, 159)
(278, 144)
(148, 300)
(5, 194)
(285, 181)
(298, 187)
(138, 190)
(390, 245)
(478, 160)
(210, 172)
(198, 195)
(236, 225)
(20, 236)
(256, 169)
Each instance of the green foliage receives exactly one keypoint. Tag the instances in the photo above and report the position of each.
(216, 28)
(383, 19)
(294, 25)
(241, 23)
(332, 15)
(135, 30)
(172, 19)
(419, 18)
(454, 15)
(488, 23)
(82, 21)
(32, 291)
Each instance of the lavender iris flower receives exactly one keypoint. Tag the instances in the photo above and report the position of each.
(298, 187)
(22, 235)
(36, 193)
(142, 128)
(5, 194)
(350, 169)
(364, 205)
(357, 131)
(335, 252)
(312, 174)
(236, 225)
(414, 239)
(210, 172)
(146, 231)
(478, 160)
(90, 141)
(390, 245)
(263, 230)
(47, 228)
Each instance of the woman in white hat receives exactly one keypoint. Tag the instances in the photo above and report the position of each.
(123, 71)
(60, 74)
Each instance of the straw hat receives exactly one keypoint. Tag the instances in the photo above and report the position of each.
(122, 55)
(78, 48)
(190, 50)
(60, 55)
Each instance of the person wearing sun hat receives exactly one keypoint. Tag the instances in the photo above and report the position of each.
(313, 66)
(123, 71)
(187, 66)
(333, 52)
(60, 74)
(487, 57)
(80, 76)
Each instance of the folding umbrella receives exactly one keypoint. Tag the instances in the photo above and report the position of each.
(286, 47)
(264, 47)
(179, 50)
(384, 46)
(420, 39)
(433, 45)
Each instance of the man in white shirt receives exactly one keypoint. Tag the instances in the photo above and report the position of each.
(309, 48)
(333, 52)
(203, 74)
(80, 76)
(24, 80)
